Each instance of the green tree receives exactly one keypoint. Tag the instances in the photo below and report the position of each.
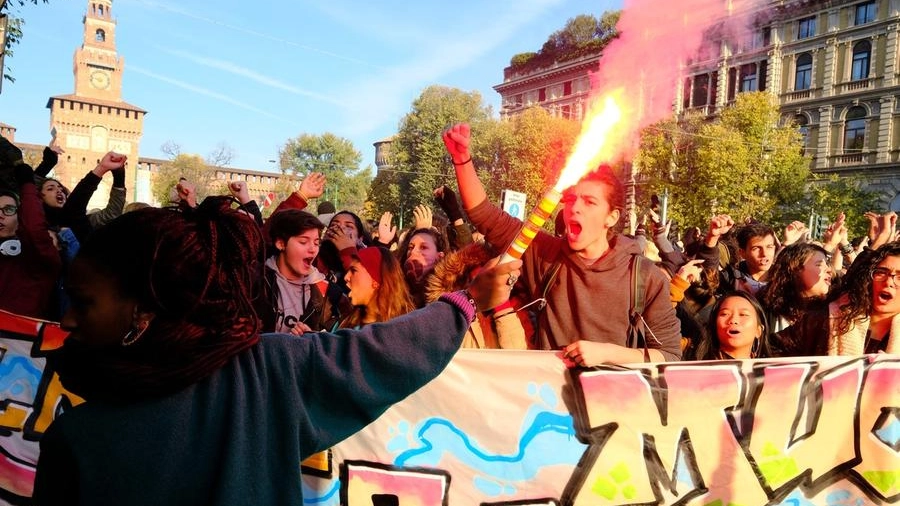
(11, 26)
(191, 167)
(583, 34)
(743, 163)
(830, 195)
(524, 154)
(201, 172)
(419, 160)
(334, 156)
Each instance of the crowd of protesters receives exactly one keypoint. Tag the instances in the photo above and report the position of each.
(163, 301)
(737, 290)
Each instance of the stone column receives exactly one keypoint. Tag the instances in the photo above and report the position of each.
(823, 143)
(846, 47)
(722, 85)
(792, 76)
(775, 70)
(873, 56)
(890, 55)
(885, 128)
(829, 71)
(814, 72)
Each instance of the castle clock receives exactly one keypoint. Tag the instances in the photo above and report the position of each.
(100, 79)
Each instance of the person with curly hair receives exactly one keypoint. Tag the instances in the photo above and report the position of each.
(419, 251)
(799, 280)
(502, 327)
(860, 316)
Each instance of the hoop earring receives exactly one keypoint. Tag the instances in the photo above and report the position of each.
(754, 347)
(135, 334)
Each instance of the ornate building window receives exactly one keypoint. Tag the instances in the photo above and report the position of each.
(865, 12)
(749, 81)
(803, 75)
(860, 66)
(855, 130)
(806, 27)
(701, 90)
(100, 35)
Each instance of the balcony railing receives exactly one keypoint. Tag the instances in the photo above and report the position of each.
(860, 84)
(849, 159)
(793, 96)
(702, 110)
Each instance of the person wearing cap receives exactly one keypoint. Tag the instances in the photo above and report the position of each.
(377, 288)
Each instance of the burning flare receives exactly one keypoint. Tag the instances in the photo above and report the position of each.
(589, 150)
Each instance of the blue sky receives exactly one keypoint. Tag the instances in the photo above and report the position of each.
(254, 74)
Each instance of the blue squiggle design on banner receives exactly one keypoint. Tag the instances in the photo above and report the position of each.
(18, 374)
(310, 497)
(443, 433)
(548, 439)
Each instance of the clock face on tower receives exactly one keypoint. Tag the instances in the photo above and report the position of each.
(100, 79)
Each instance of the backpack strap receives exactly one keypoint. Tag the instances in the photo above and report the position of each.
(637, 325)
(540, 298)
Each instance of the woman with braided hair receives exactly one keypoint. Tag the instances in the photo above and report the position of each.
(185, 402)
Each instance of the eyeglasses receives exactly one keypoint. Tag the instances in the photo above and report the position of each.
(881, 275)
(9, 210)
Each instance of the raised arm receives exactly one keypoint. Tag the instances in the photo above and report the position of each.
(116, 203)
(311, 187)
(471, 191)
(75, 208)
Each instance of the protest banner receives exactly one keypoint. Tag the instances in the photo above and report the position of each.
(504, 427)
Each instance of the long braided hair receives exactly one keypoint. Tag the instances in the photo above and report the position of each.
(197, 270)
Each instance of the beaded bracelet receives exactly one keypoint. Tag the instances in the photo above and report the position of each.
(464, 301)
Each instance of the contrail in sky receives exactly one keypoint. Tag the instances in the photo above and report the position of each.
(262, 35)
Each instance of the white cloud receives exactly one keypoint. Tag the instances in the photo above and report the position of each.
(253, 75)
(206, 92)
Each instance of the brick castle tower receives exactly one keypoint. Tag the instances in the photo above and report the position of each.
(95, 119)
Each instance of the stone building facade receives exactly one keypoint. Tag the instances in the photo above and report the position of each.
(561, 88)
(833, 66)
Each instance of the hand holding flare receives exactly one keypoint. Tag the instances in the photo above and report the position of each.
(586, 155)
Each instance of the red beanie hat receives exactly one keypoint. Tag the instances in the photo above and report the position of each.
(370, 258)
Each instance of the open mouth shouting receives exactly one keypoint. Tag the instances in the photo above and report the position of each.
(573, 230)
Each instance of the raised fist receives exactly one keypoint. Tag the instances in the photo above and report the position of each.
(456, 139)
